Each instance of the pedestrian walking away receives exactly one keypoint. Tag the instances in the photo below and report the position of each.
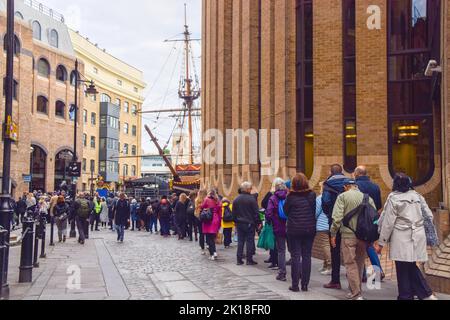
(82, 210)
(211, 228)
(202, 194)
(122, 216)
(61, 212)
(227, 222)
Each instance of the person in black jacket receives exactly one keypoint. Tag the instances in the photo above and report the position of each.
(246, 217)
(300, 208)
(21, 208)
(181, 216)
(122, 215)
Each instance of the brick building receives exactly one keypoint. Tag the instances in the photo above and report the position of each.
(342, 81)
(44, 64)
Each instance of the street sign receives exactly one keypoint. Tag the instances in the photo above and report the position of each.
(27, 178)
(74, 169)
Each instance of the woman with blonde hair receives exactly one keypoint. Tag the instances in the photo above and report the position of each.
(181, 216)
(211, 228)
(201, 196)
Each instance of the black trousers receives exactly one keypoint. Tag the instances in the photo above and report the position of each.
(181, 229)
(227, 237)
(411, 282)
(246, 236)
(301, 252)
(82, 226)
(211, 241)
(336, 261)
(95, 219)
(201, 238)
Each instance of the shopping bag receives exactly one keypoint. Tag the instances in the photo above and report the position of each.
(267, 238)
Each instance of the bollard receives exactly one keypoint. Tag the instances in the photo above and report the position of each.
(3, 235)
(36, 245)
(26, 253)
(43, 236)
(52, 231)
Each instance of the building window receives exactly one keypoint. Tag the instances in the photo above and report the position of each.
(84, 140)
(305, 132)
(43, 68)
(102, 166)
(54, 38)
(105, 98)
(126, 107)
(111, 167)
(125, 149)
(125, 170)
(95, 70)
(93, 142)
(18, 15)
(60, 109)
(134, 131)
(73, 78)
(42, 104)
(72, 112)
(118, 103)
(15, 88)
(93, 118)
(93, 166)
(119, 82)
(125, 128)
(17, 46)
(136, 90)
(85, 116)
(111, 122)
(84, 165)
(133, 171)
(413, 99)
(37, 30)
(61, 73)
(38, 170)
(134, 109)
(349, 73)
(133, 151)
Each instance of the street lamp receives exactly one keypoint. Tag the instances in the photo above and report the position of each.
(91, 90)
(6, 210)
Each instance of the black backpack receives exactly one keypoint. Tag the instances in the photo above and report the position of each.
(367, 224)
(164, 211)
(227, 214)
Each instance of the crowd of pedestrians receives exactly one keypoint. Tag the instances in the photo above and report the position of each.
(296, 214)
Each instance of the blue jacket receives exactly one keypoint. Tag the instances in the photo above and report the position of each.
(368, 187)
(322, 219)
(332, 188)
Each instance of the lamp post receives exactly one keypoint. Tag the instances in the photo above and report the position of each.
(6, 210)
(91, 90)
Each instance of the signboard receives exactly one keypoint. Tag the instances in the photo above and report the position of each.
(12, 130)
(74, 170)
(27, 178)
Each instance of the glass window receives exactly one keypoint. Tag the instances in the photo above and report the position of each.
(60, 109)
(134, 109)
(61, 73)
(17, 46)
(126, 107)
(42, 104)
(92, 166)
(134, 131)
(133, 171)
(54, 38)
(37, 30)
(84, 140)
(93, 118)
(118, 103)
(414, 39)
(125, 128)
(38, 160)
(125, 149)
(43, 68)
(72, 112)
(105, 98)
(73, 78)
(125, 170)
(102, 166)
(103, 121)
(93, 142)
(18, 15)
(85, 116)
(84, 165)
(305, 94)
(133, 150)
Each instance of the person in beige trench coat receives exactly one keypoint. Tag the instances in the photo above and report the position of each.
(402, 226)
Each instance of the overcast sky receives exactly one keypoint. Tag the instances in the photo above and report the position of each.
(134, 31)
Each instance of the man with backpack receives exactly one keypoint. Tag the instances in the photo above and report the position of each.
(349, 211)
(82, 210)
(332, 188)
(164, 212)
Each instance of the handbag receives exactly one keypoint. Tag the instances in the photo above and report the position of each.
(430, 230)
(206, 216)
(267, 238)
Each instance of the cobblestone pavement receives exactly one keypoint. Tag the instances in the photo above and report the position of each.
(148, 267)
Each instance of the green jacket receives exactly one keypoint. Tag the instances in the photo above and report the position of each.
(346, 203)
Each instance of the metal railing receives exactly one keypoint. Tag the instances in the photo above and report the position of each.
(45, 10)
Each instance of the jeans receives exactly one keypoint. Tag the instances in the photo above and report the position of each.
(336, 261)
(227, 233)
(411, 282)
(211, 241)
(120, 232)
(281, 248)
(374, 260)
(153, 222)
(82, 224)
(165, 226)
(246, 236)
(301, 251)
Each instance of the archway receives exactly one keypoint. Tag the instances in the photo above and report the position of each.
(38, 164)
(62, 161)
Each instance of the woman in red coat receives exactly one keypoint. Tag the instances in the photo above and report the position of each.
(211, 229)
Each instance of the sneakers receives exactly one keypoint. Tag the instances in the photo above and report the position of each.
(203, 252)
(212, 258)
(350, 296)
(326, 272)
(215, 255)
(432, 297)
